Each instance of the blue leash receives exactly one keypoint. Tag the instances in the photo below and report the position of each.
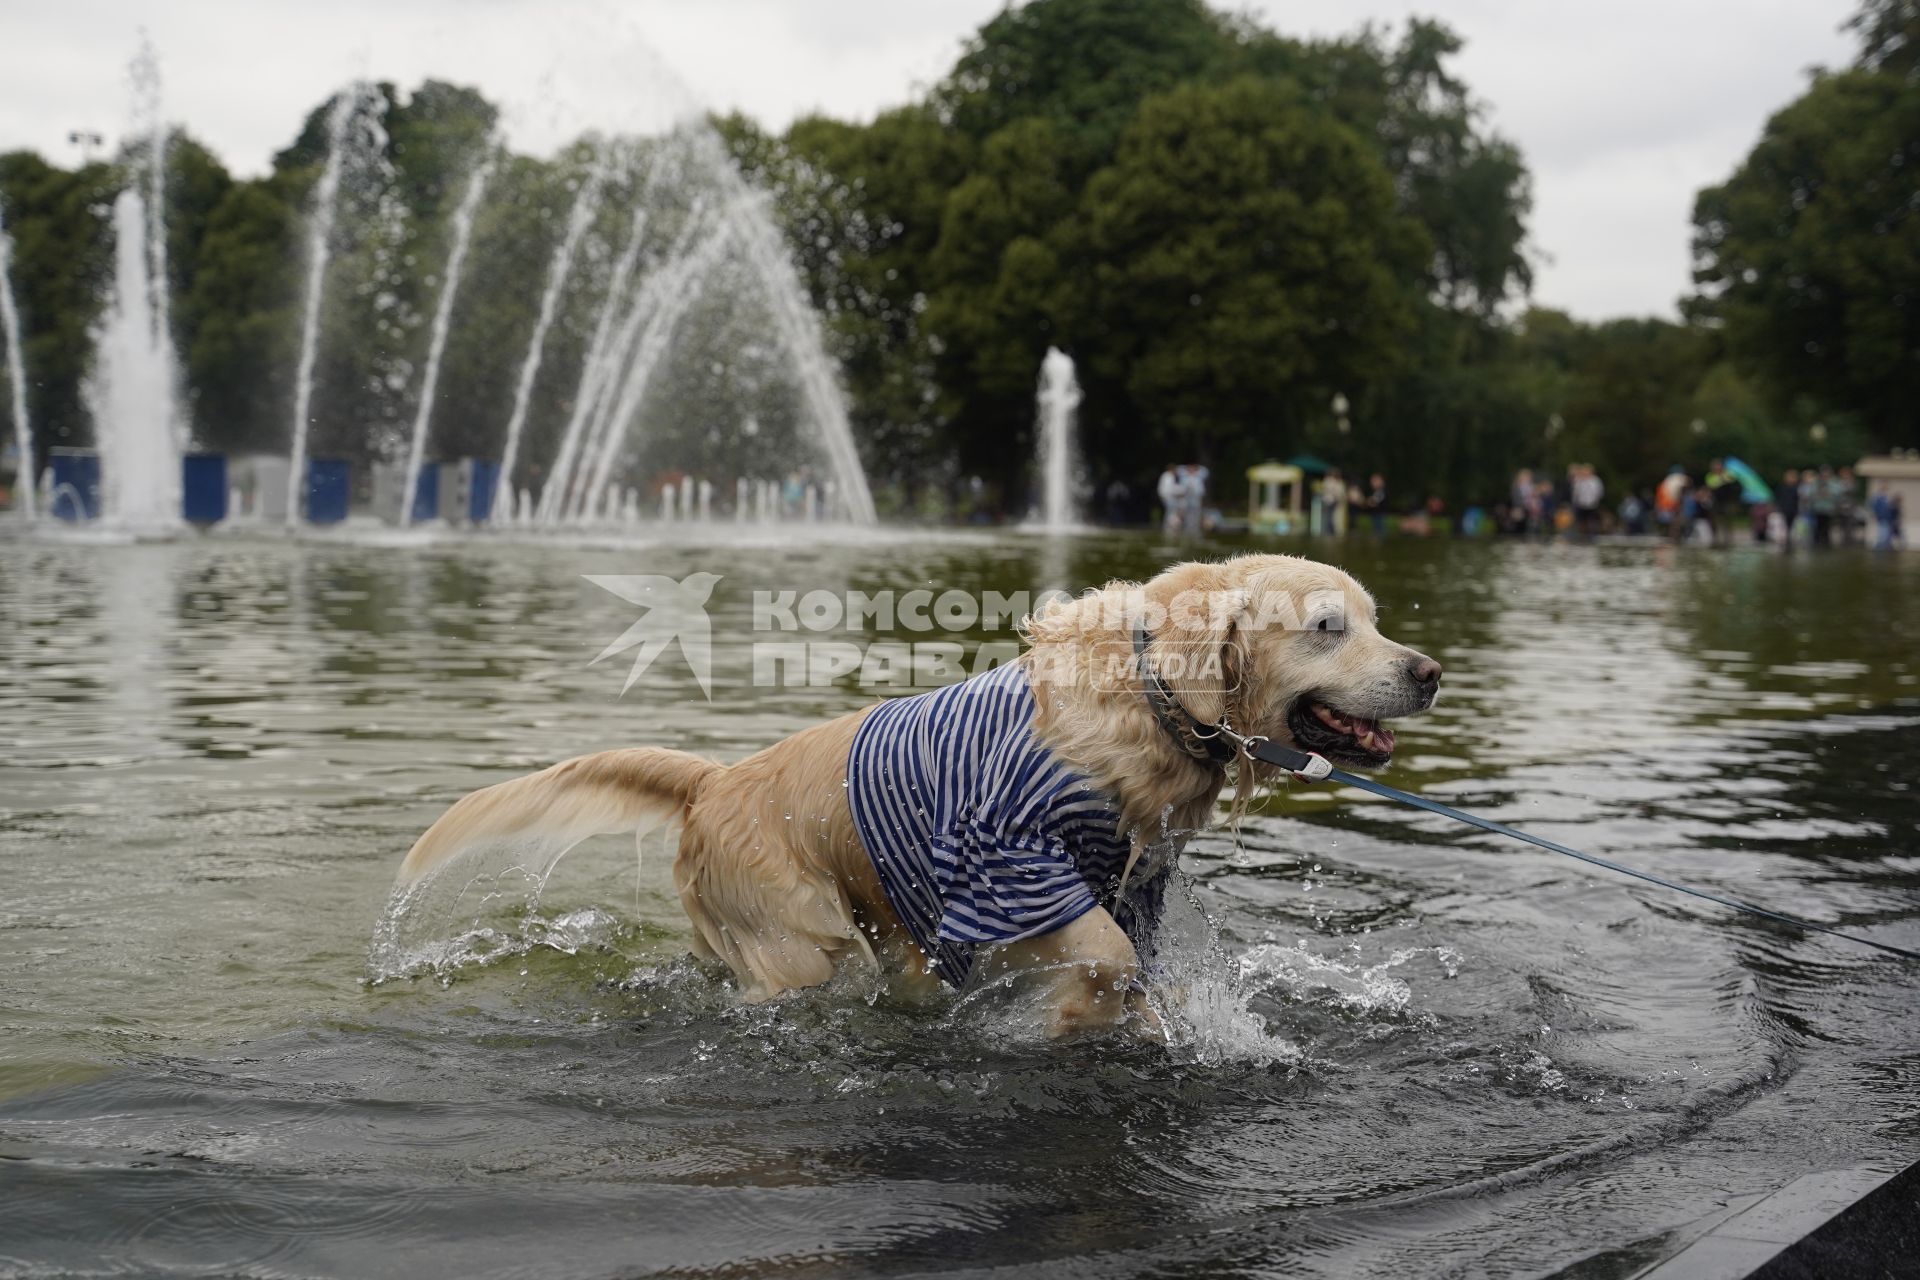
(1219, 744)
(1316, 768)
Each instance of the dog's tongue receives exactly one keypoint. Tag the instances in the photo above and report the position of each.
(1373, 736)
(1370, 734)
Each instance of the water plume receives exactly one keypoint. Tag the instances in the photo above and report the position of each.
(585, 206)
(326, 201)
(16, 375)
(442, 316)
(1058, 400)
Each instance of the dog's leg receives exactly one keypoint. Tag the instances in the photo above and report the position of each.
(1087, 969)
(778, 921)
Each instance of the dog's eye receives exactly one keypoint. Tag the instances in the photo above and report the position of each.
(1322, 625)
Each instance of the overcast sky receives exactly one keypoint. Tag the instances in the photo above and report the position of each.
(1623, 109)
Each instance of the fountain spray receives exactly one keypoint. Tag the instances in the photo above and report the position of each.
(133, 389)
(443, 314)
(798, 325)
(1058, 398)
(665, 299)
(16, 375)
(604, 354)
(326, 200)
(585, 205)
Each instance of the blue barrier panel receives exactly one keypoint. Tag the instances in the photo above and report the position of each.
(486, 475)
(203, 488)
(327, 490)
(76, 484)
(426, 494)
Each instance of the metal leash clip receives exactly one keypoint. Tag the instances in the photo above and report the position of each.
(1304, 765)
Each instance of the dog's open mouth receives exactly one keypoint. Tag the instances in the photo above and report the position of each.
(1340, 736)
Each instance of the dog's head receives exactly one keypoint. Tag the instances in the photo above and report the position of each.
(1289, 649)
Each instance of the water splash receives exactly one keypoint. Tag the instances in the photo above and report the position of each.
(1058, 401)
(23, 485)
(1353, 987)
(585, 205)
(1202, 998)
(442, 315)
(326, 201)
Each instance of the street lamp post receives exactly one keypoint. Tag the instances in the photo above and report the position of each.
(87, 140)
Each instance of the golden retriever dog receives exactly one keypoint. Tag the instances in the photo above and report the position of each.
(791, 862)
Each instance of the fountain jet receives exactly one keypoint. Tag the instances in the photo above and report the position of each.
(679, 284)
(568, 483)
(23, 484)
(326, 200)
(798, 325)
(133, 390)
(1058, 399)
(442, 316)
(561, 266)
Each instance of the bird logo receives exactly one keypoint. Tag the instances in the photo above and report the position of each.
(675, 611)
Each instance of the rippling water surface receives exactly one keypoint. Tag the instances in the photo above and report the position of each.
(1404, 1048)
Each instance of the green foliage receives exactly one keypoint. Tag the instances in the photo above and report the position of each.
(240, 314)
(1808, 257)
(62, 258)
(1100, 165)
(1240, 260)
(1889, 36)
(1082, 66)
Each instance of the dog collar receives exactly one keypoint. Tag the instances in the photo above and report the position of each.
(1212, 745)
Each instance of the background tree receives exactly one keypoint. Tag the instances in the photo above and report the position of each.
(62, 259)
(1240, 260)
(1809, 255)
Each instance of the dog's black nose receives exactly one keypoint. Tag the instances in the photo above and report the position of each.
(1424, 670)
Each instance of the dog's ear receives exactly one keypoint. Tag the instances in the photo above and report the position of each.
(1198, 643)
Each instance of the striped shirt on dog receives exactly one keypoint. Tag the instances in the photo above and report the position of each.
(978, 832)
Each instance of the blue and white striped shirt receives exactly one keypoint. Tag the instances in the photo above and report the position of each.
(978, 832)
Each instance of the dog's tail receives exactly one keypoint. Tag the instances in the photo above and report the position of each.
(544, 814)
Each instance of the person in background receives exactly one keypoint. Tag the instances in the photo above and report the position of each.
(1669, 505)
(1195, 518)
(1117, 495)
(1377, 503)
(1823, 502)
(1897, 517)
(1787, 503)
(1524, 505)
(1723, 492)
(1333, 490)
(1172, 491)
(1633, 514)
(1588, 490)
(1546, 506)
(1881, 505)
(1847, 507)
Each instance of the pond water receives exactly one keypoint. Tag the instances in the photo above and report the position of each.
(1406, 1048)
